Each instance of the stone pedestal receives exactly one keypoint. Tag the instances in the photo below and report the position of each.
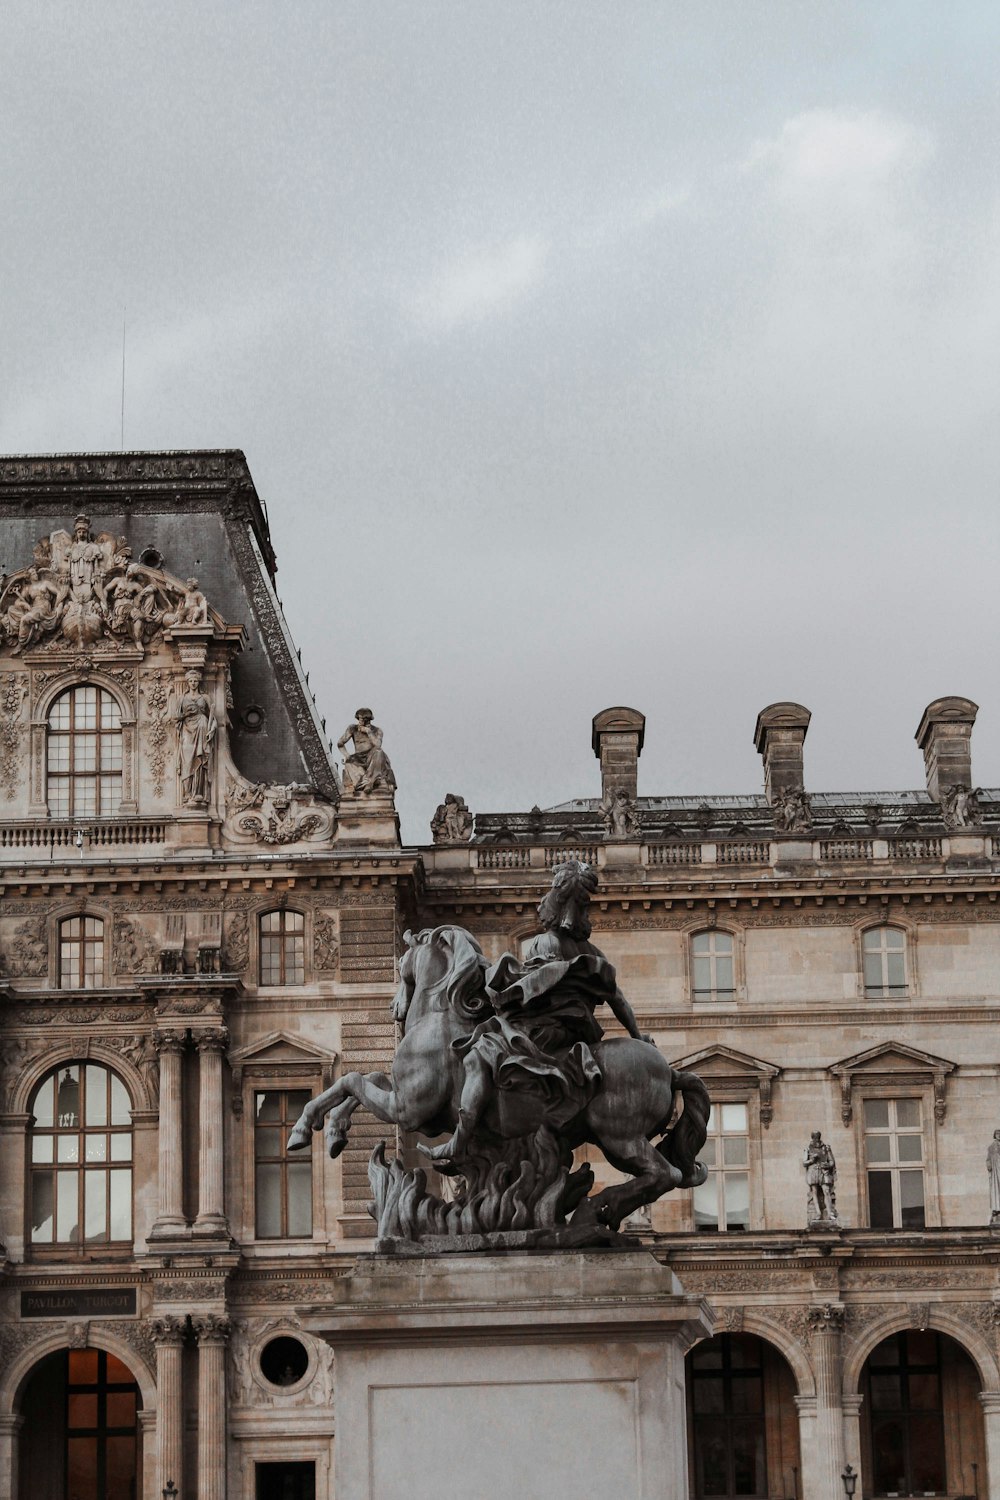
(367, 819)
(494, 1375)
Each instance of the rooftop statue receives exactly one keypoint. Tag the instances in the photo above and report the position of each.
(366, 768)
(452, 822)
(511, 1062)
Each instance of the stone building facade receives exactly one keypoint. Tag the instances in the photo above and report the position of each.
(201, 911)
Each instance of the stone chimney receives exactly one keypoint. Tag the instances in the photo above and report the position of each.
(944, 734)
(778, 737)
(617, 740)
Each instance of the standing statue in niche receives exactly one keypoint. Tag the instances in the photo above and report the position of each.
(821, 1181)
(993, 1171)
(452, 822)
(196, 730)
(620, 815)
(960, 807)
(511, 1063)
(366, 768)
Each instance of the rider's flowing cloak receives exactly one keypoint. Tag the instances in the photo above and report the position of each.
(537, 1046)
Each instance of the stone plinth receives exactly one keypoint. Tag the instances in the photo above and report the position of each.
(366, 820)
(488, 1376)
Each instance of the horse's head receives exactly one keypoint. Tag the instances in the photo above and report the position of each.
(442, 968)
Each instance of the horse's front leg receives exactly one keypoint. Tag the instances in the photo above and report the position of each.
(311, 1117)
(374, 1090)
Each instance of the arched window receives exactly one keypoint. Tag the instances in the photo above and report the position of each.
(81, 953)
(81, 1158)
(282, 948)
(712, 965)
(84, 754)
(883, 954)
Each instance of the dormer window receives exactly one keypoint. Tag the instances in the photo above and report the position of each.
(84, 754)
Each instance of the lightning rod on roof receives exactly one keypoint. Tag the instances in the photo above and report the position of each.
(124, 310)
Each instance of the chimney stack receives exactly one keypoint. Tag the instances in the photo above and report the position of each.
(945, 736)
(778, 737)
(617, 740)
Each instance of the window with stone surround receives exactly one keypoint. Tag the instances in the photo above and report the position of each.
(80, 1152)
(712, 965)
(282, 948)
(84, 754)
(726, 1398)
(894, 1163)
(81, 953)
(282, 1178)
(883, 959)
(722, 1202)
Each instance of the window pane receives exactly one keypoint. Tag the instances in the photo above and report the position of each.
(82, 1411)
(300, 1198)
(68, 1148)
(83, 1366)
(41, 1147)
(702, 975)
(734, 1117)
(896, 971)
(880, 1200)
(748, 1395)
(748, 1459)
(294, 921)
(41, 1208)
(121, 1408)
(877, 1147)
(877, 1114)
(700, 942)
(81, 1466)
(96, 1147)
(888, 1452)
(911, 1199)
(297, 1101)
(67, 1208)
(121, 1109)
(724, 974)
(120, 1468)
(121, 1147)
(270, 921)
(121, 1203)
(96, 1205)
(269, 1106)
(907, 1112)
(706, 1204)
(68, 1097)
(268, 1143)
(873, 971)
(886, 1392)
(736, 1186)
(44, 1105)
(910, 1147)
(268, 1200)
(96, 1086)
(707, 1153)
(708, 1396)
(925, 1393)
(734, 1150)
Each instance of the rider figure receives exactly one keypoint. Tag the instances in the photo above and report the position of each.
(536, 1049)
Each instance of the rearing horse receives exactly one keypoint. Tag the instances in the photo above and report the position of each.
(442, 996)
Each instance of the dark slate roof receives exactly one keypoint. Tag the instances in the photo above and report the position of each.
(201, 512)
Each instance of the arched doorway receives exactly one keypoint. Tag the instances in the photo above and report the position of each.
(743, 1427)
(80, 1433)
(921, 1419)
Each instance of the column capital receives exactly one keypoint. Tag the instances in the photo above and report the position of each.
(211, 1038)
(828, 1317)
(168, 1330)
(211, 1328)
(169, 1041)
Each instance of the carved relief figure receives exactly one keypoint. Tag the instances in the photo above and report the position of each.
(366, 768)
(993, 1171)
(620, 815)
(960, 807)
(821, 1181)
(452, 822)
(793, 811)
(192, 608)
(196, 731)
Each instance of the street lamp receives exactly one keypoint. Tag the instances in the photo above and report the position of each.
(170, 1490)
(849, 1480)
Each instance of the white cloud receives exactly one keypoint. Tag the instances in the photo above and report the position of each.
(829, 150)
(481, 283)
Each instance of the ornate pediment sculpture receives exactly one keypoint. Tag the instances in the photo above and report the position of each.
(276, 814)
(80, 590)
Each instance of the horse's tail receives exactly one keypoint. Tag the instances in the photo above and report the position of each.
(686, 1139)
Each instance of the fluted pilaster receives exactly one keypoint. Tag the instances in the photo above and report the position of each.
(212, 1332)
(170, 1220)
(211, 1220)
(168, 1335)
(827, 1325)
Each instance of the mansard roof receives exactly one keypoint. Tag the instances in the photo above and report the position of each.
(200, 513)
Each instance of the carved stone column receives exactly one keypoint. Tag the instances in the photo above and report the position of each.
(826, 1324)
(990, 1401)
(212, 1332)
(211, 1220)
(170, 1220)
(168, 1335)
(10, 1427)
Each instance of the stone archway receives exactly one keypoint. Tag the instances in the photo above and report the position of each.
(743, 1421)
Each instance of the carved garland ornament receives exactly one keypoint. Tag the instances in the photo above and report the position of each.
(156, 690)
(12, 696)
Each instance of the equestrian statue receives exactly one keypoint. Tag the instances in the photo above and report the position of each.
(510, 1063)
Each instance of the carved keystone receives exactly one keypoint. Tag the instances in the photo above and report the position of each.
(944, 734)
(778, 737)
(617, 739)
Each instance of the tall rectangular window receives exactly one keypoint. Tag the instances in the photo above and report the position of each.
(81, 953)
(282, 948)
(894, 1155)
(883, 951)
(712, 966)
(723, 1200)
(282, 1179)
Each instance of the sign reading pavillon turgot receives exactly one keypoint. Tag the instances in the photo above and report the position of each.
(80, 1302)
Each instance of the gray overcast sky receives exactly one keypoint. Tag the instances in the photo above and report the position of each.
(584, 353)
